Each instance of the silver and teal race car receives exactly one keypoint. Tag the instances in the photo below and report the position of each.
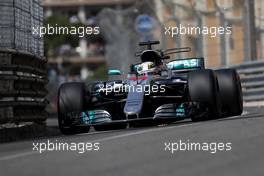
(154, 92)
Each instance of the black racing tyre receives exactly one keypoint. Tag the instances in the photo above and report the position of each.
(203, 89)
(71, 100)
(110, 127)
(230, 92)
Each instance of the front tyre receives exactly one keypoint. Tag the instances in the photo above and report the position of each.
(71, 100)
(203, 89)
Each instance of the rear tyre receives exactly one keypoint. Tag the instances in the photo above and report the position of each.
(71, 100)
(204, 90)
(230, 92)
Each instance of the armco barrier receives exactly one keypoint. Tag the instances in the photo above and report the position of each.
(252, 80)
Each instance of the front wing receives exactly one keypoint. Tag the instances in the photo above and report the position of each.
(165, 113)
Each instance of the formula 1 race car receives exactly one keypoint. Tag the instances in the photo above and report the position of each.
(154, 92)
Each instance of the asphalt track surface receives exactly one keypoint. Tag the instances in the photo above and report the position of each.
(141, 151)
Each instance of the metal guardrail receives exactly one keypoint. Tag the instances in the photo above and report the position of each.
(252, 80)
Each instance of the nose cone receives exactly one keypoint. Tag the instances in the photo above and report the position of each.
(134, 102)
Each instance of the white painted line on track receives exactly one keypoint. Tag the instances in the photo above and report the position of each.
(139, 132)
(19, 155)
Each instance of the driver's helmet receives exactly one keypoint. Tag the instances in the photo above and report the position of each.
(146, 67)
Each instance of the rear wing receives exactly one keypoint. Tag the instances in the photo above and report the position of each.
(186, 64)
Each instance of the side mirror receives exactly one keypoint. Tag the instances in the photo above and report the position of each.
(114, 72)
